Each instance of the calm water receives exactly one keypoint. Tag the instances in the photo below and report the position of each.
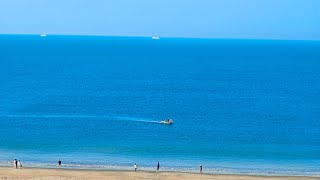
(240, 106)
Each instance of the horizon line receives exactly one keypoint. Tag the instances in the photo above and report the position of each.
(165, 37)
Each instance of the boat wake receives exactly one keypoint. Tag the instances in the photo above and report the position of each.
(136, 119)
(116, 118)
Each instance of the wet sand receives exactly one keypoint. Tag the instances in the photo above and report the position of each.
(62, 174)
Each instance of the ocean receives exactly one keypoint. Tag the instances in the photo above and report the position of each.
(239, 106)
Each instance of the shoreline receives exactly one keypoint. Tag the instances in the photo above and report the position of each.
(65, 173)
(168, 170)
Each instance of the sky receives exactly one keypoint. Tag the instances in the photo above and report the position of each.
(258, 19)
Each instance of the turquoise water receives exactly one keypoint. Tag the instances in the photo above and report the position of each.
(240, 106)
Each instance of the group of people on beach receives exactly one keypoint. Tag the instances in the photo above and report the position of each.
(136, 167)
(158, 167)
(17, 164)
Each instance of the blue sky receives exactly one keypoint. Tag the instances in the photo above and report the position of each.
(267, 19)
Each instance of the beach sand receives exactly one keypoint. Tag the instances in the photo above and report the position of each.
(62, 174)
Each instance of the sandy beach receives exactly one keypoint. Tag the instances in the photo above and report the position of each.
(61, 174)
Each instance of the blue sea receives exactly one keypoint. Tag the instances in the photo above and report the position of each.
(239, 106)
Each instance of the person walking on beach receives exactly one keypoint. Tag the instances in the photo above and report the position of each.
(59, 162)
(135, 167)
(200, 168)
(19, 164)
(158, 167)
(15, 163)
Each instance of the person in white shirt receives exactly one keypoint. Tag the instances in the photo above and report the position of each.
(19, 164)
(135, 167)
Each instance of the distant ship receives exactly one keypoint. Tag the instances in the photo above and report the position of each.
(155, 37)
(43, 35)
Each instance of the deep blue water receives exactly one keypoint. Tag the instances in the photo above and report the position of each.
(240, 106)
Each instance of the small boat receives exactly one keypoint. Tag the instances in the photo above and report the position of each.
(155, 37)
(43, 35)
(169, 122)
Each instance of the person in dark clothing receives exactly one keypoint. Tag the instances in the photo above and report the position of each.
(59, 162)
(158, 166)
(200, 168)
(15, 162)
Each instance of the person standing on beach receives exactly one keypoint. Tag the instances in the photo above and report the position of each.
(19, 164)
(135, 167)
(59, 162)
(15, 163)
(158, 167)
(200, 168)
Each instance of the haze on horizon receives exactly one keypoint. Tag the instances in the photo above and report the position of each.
(261, 19)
